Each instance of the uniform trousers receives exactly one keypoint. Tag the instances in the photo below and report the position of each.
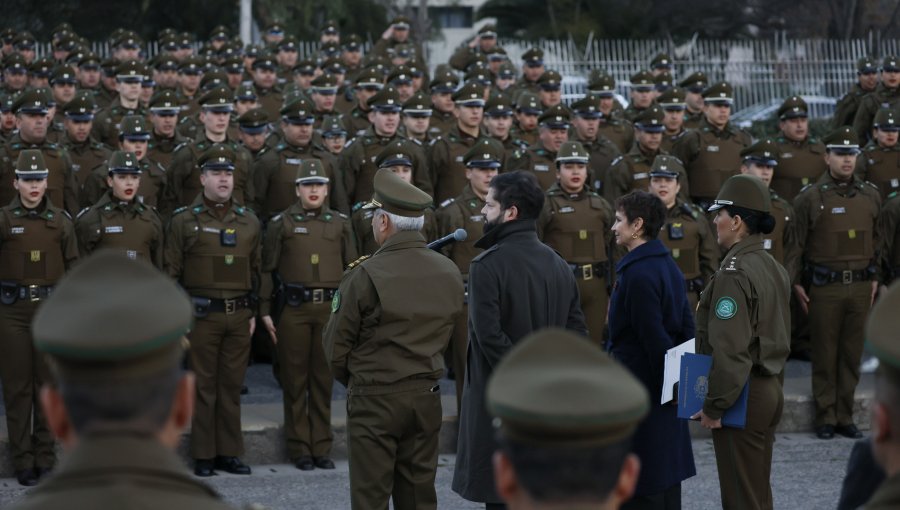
(594, 305)
(459, 342)
(220, 348)
(837, 319)
(744, 456)
(306, 379)
(23, 371)
(392, 441)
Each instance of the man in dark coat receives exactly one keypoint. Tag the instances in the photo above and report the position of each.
(516, 286)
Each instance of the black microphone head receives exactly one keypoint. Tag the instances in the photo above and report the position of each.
(460, 235)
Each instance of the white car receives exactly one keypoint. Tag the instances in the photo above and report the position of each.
(575, 87)
(820, 107)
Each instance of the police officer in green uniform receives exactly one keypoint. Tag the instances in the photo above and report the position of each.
(213, 250)
(528, 110)
(334, 136)
(447, 152)
(576, 223)
(540, 158)
(743, 323)
(879, 162)
(497, 122)
(385, 341)
(835, 278)
(368, 82)
(569, 447)
(673, 104)
(398, 158)
(119, 220)
(847, 106)
(532, 69)
(550, 89)
(183, 175)
(693, 86)
(275, 171)
(586, 117)
(265, 84)
(304, 252)
(37, 245)
(164, 138)
(253, 130)
(885, 95)
(642, 94)
(129, 76)
(31, 120)
(801, 157)
(686, 232)
(711, 152)
(86, 152)
(442, 87)
(133, 139)
(121, 401)
(357, 161)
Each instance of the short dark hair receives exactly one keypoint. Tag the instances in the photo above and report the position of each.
(520, 189)
(561, 475)
(641, 204)
(756, 221)
(138, 406)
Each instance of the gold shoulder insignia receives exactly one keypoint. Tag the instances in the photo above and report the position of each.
(357, 261)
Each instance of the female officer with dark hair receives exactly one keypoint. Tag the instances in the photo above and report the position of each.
(649, 314)
(743, 322)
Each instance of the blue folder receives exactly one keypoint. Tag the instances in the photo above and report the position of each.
(693, 385)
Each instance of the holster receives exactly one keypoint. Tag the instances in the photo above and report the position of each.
(9, 293)
(201, 306)
(293, 294)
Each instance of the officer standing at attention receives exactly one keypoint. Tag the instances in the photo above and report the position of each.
(673, 106)
(800, 156)
(213, 251)
(743, 323)
(447, 151)
(586, 117)
(525, 124)
(642, 94)
(37, 245)
(305, 250)
(879, 162)
(835, 278)
(686, 232)
(576, 223)
(119, 220)
(867, 80)
(532, 69)
(120, 400)
(385, 342)
(483, 162)
(540, 158)
(568, 447)
(693, 86)
(885, 95)
(85, 151)
(129, 76)
(712, 152)
(368, 83)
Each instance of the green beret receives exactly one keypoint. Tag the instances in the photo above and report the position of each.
(397, 196)
(557, 389)
(744, 191)
(138, 338)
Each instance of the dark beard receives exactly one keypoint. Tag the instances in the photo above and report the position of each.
(490, 225)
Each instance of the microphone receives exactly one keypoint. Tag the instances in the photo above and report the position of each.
(459, 235)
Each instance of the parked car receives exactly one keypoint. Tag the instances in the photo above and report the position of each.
(575, 87)
(820, 107)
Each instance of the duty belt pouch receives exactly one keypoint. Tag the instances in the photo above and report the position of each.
(9, 293)
(228, 237)
(293, 294)
(821, 276)
(201, 306)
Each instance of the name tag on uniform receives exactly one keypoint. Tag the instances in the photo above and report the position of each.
(114, 230)
(541, 168)
(567, 209)
(17, 230)
(300, 230)
(479, 218)
(640, 175)
(712, 148)
(838, 210)
(293, 161)
(767, 244)
(787, 155)
(210, 230)
(459, 159)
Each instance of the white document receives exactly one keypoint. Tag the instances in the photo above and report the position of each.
(672, 368)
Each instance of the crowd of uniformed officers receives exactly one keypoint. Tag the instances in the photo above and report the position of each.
(244, 172)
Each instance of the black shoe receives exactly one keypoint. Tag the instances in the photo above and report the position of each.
(849, 431)
(825, 431)
(232, 465)
(304, 463)
(203, 467)
(245, 390)
(27, 477)
(43, 471)
(323, 463)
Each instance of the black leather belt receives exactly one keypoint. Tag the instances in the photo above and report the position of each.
(296, 294)
(229, 306)
(34, 292)
(823, 276)
(588, 271)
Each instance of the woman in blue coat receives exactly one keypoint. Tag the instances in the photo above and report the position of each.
(649, 314)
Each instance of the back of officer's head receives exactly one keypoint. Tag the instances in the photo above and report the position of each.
(565, 414)
(519, 189)
(113, 331)
(881, 341)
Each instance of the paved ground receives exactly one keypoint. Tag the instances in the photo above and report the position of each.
(807, 474)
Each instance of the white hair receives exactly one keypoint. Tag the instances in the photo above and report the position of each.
(401, 223)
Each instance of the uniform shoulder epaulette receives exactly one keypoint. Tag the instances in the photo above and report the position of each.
(732, 264)
(179, 146)
(66, 213)
(434, 141)
(280, 147)
(342, 215)
(616, 161)
(447, 202)
(357, 262)
(521, 143)
(186, 119)
(277, 217)
(540, 152)
(691, 209)
(179, 210)
(357, 206)
(804, 188)
(680, 135)
(872, 184)
(415, 141)
(81, 212)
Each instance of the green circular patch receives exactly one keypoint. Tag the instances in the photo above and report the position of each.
(725, 308)
(336, 301)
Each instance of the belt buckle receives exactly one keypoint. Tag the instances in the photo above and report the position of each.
(318, 296)
(230, 306)
(34, 293)
(587, 272)
(847, 276)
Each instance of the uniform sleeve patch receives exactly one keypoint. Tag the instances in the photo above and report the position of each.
(726, 308)
(336, 301)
